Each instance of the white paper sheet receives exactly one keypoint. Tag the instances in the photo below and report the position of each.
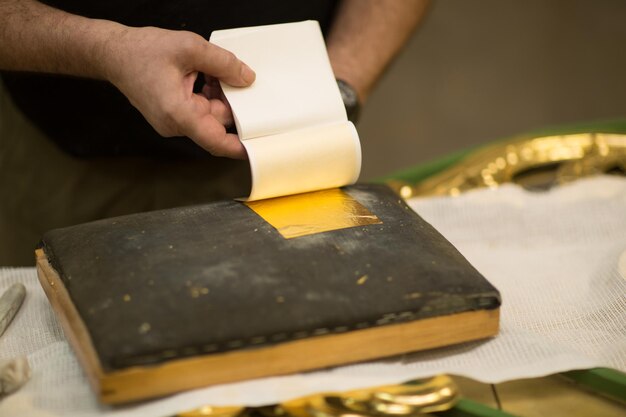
(554, 256)
(294, 94)
(291, 163)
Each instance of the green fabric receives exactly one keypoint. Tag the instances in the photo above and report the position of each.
(468, 408)
(601, 380)
(420, 172)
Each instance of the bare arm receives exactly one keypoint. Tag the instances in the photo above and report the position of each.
(35, 37)
(366, 35)
(154, 68)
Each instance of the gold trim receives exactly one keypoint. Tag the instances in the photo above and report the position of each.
(539, 162)
(409, 399)
(213, 411)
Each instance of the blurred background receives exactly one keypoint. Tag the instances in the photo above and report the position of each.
(481, 70)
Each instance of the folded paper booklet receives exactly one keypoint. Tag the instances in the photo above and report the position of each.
(164, 301)
(292, 120)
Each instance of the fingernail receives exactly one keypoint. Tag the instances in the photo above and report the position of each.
(247, 74)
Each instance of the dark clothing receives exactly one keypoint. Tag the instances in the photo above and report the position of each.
(88, 118)
(43, 188)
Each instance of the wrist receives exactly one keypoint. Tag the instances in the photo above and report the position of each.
(109, 50)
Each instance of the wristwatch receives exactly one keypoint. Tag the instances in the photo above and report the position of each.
(350, 100)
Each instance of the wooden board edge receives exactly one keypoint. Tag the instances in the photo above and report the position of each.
(72, 324)
(139, 383)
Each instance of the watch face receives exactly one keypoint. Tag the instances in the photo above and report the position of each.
(350, 100)
(348, 95)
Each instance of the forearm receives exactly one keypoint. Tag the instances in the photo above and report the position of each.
(154, 68)
(38, 38)
(366, 35)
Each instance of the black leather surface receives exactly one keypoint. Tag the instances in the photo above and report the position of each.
(155, 286)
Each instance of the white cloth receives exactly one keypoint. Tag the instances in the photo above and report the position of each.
(554, 256)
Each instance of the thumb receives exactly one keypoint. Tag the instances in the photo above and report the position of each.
(223, 65)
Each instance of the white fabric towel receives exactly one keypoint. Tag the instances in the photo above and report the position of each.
(555, 257)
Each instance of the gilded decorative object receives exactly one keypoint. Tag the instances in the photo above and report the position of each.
(410, 399)
(315, 212)
(213, 412)
(535, 163)
(419, 396)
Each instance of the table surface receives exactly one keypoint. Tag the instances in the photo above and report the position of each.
(563, 305)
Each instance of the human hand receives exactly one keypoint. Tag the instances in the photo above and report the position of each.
(156, 70)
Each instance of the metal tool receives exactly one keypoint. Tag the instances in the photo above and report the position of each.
(10, 303)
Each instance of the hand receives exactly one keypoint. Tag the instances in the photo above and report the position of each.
(156, 70)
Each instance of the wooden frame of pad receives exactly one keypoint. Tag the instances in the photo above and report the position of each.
(143, 382)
